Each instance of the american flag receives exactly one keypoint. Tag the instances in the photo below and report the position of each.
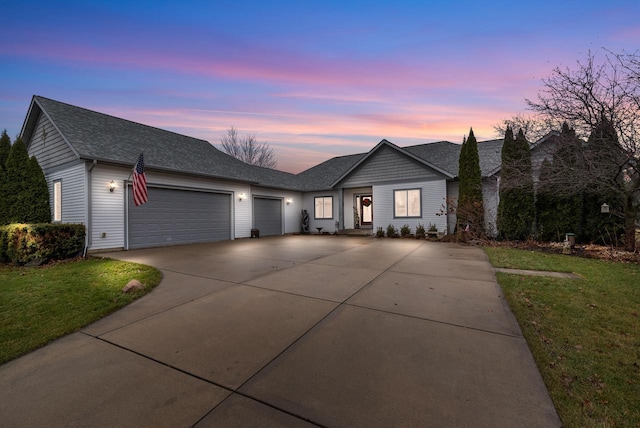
(139, 188)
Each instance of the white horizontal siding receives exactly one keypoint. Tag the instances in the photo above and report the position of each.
(243, 210)
(433, 195)
(108, 209)
(453, 189)
(72, 182)
(308, 203)
(490, 198)
(292, 211)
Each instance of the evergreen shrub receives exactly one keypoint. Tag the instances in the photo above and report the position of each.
(37, 243)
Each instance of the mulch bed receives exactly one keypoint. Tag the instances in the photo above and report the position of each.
(590, 251)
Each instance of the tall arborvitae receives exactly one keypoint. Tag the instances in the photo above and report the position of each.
(568, 166)
(505, 206)
(546, 206)
(527, 213)
(558, 209)
(516, 209)
(470, 207)
(603, 156)
(39, 210)
(5, 147)
(17, 178)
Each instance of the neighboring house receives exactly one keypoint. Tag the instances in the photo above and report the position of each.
(198, 193)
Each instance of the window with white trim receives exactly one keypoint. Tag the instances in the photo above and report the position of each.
(57, 200)
(323, 207)
(407, 203)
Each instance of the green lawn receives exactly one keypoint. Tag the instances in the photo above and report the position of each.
(38, 305)
(584, 334)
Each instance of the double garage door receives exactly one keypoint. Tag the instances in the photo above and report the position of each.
(173, 216)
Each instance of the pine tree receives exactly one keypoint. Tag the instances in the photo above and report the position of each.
(40, 209)
(3, 199)
(5, 147)
(17, 178)
(470, 207)
(516, 209)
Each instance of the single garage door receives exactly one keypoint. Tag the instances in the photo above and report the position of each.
(267, 216)
(174, 216)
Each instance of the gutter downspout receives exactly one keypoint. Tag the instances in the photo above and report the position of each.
(340, 209)
(88, 240)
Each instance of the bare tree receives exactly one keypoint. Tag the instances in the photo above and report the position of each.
(248, 149)
(593, 96)
(534, 128)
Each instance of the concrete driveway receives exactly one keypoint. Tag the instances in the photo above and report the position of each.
(293, 331)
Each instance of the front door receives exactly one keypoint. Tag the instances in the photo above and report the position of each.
(366, 210)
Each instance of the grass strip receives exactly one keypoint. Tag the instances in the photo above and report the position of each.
(583, 334)
(40, 304)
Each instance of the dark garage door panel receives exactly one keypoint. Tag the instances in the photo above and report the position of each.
(179, 217)
(267, 214)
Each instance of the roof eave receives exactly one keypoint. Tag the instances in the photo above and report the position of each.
(168, 170)
(30, 120)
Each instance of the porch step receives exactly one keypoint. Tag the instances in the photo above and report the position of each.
(356, 232)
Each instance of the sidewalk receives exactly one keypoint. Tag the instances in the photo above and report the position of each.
(293, 331)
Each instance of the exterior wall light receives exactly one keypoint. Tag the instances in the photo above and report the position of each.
(112, 186)
(241, 197)
(289, 200)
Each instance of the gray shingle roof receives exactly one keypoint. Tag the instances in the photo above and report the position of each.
(105, 138)
(98, 136)
(446, 154)
(490, 153)
(442, 154)
(322, 176)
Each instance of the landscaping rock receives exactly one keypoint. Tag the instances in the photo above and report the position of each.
(34, 263)
(132, 286)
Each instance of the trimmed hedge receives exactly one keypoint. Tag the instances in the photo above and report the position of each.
(37, 243)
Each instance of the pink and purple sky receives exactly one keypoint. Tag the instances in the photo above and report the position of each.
(313, 79)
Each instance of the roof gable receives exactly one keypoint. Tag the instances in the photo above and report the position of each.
(388, 162)
(37, 119)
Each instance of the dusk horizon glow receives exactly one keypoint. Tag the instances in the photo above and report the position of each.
(314, 81)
